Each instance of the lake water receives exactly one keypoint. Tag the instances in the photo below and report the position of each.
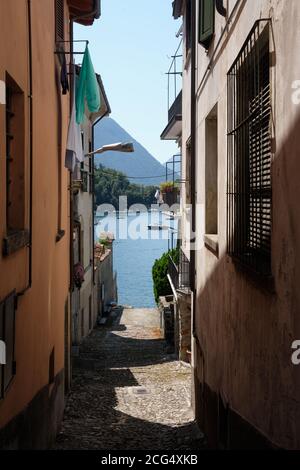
(134, 252)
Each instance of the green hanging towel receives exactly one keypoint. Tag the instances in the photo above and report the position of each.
(87, 89)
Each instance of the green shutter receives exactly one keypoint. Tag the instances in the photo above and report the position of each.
(206, 22)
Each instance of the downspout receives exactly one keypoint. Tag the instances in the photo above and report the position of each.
(72, 91)
(31, 142)
(193, 190)
(193, 145)
(29, 285)
(193, 169)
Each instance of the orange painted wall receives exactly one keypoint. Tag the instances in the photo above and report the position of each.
(40, 314)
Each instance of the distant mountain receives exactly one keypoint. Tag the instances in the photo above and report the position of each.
(138, 164)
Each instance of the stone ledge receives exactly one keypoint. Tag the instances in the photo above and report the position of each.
(15, 241)
(212, 243)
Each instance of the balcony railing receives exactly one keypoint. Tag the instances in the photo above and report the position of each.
(180, 275)
(173, 273)
(174, 126)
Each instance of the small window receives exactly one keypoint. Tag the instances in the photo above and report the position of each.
(7, 334)
(206, 22)
(211, 172)
(59, 21)
(249, 193)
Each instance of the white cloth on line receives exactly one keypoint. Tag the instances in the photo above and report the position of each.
(74, 151)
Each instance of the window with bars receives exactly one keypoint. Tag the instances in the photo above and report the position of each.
(249, 191)
(16, 186)
(7, 334)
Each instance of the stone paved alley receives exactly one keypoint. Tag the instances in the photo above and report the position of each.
(127, 392)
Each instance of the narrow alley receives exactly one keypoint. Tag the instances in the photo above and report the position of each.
(127, 392)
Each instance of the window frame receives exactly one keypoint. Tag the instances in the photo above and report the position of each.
(249, 154)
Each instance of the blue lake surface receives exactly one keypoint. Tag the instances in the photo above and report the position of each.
(135, 250)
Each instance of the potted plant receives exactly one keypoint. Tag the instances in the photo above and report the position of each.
(169, 191)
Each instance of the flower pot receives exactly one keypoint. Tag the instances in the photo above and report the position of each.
(170, 197)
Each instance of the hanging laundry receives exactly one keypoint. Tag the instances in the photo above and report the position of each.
(64, 76)
(87, 89)
(74, 150)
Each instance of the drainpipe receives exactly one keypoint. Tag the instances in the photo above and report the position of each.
(193, 142)
(72, 91)
(30, 148)
(193, 166)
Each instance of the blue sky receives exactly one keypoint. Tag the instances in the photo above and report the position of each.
(131, 45)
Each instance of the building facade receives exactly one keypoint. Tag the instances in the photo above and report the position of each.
(35, 216)
(84, 299)
(240, 134)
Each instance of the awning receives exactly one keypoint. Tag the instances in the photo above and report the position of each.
(84, 11)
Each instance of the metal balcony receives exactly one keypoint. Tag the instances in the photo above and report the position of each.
(174, 127)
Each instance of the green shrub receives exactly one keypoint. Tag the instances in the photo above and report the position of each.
(161, 285)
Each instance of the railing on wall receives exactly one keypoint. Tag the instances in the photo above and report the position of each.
(180, 275)
(175, 79)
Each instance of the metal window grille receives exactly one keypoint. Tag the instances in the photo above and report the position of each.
(59, 21)
(180, 274)
(9, 159)
(249, 192)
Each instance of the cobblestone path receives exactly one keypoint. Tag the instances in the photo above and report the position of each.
(127, 393)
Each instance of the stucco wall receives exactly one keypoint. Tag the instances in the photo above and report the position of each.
(244, 332)
(41, 312)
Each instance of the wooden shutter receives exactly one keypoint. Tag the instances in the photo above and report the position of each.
(206, 22)
(59, 21)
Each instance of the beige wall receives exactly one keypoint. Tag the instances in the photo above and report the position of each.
(244, 332)
(41, 313)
